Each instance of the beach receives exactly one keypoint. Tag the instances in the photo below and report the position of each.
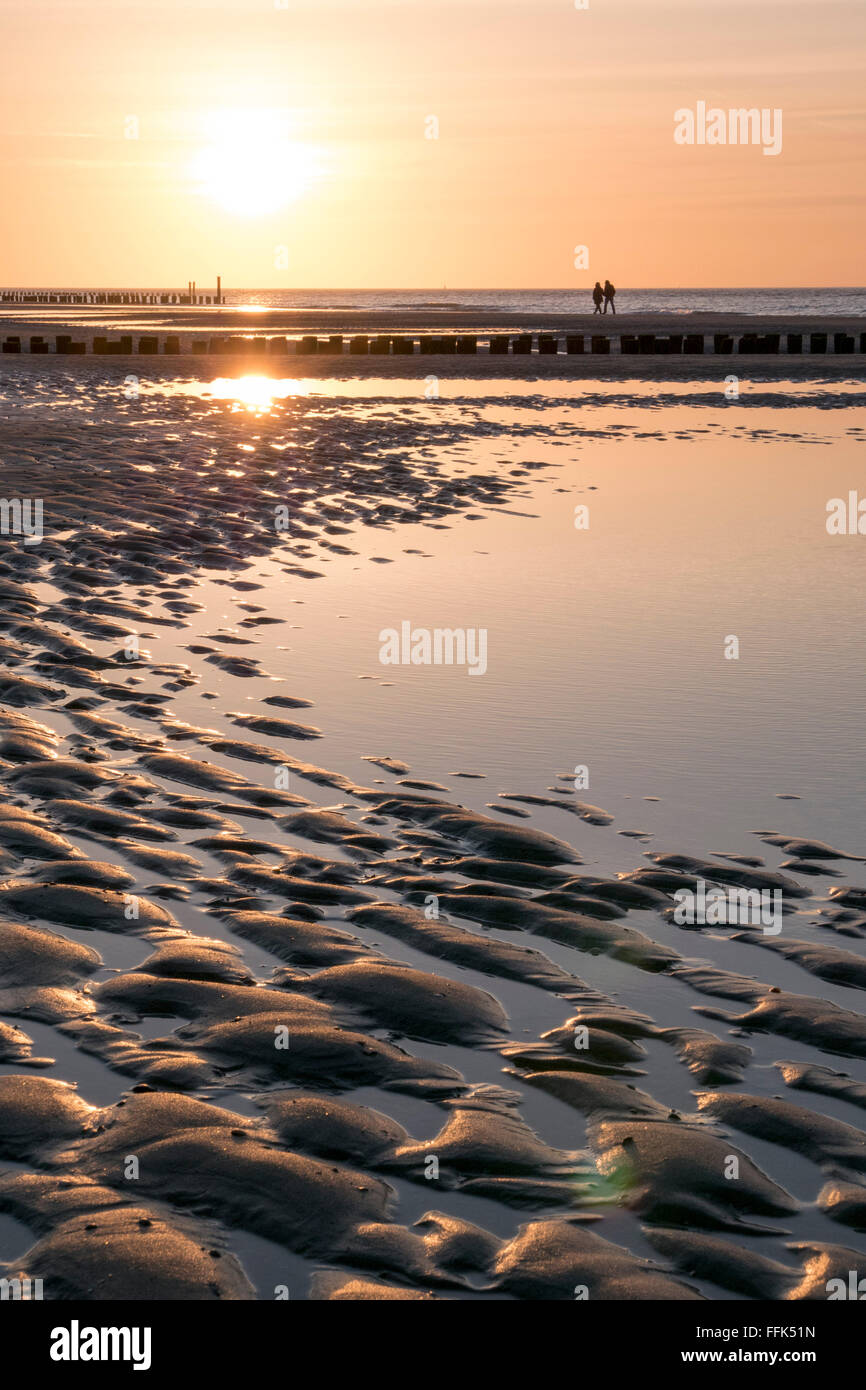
(432, 558)
(268, 319)
(373, 964)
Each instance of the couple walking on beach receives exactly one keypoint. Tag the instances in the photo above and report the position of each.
(607, 294)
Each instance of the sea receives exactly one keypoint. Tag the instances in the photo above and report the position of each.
(835, 302)
(840, 302)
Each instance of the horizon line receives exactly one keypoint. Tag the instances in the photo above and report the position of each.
(419, 289)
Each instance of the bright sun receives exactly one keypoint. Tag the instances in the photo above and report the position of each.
(251, 166)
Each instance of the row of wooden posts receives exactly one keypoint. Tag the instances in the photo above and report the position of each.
(108, 297)
(522, 344)
(85, 297)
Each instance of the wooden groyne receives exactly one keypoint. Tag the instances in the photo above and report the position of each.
(383, 345)
(93, 298)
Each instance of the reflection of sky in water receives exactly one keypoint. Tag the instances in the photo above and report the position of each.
(260, 393)
(260, 390)
(605, 646)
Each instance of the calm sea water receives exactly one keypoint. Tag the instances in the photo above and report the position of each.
(571, 301)
(781, 302)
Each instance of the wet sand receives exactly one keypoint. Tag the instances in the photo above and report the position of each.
(247, 319)
(265, 1023)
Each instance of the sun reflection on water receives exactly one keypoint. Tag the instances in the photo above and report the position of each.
(254, 393)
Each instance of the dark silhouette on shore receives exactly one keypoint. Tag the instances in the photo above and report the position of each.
(597, 297)
(609, 293)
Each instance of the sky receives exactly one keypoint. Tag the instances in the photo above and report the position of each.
(422, 143)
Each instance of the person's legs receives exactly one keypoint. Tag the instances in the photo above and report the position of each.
(612, 307)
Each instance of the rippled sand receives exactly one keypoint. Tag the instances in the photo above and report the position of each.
(361, 1027)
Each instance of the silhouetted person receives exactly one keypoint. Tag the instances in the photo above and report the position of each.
(609, 293)
(597, 297)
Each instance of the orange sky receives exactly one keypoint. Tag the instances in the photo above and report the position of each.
(555, 130)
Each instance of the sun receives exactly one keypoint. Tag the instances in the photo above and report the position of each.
(252, 166)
